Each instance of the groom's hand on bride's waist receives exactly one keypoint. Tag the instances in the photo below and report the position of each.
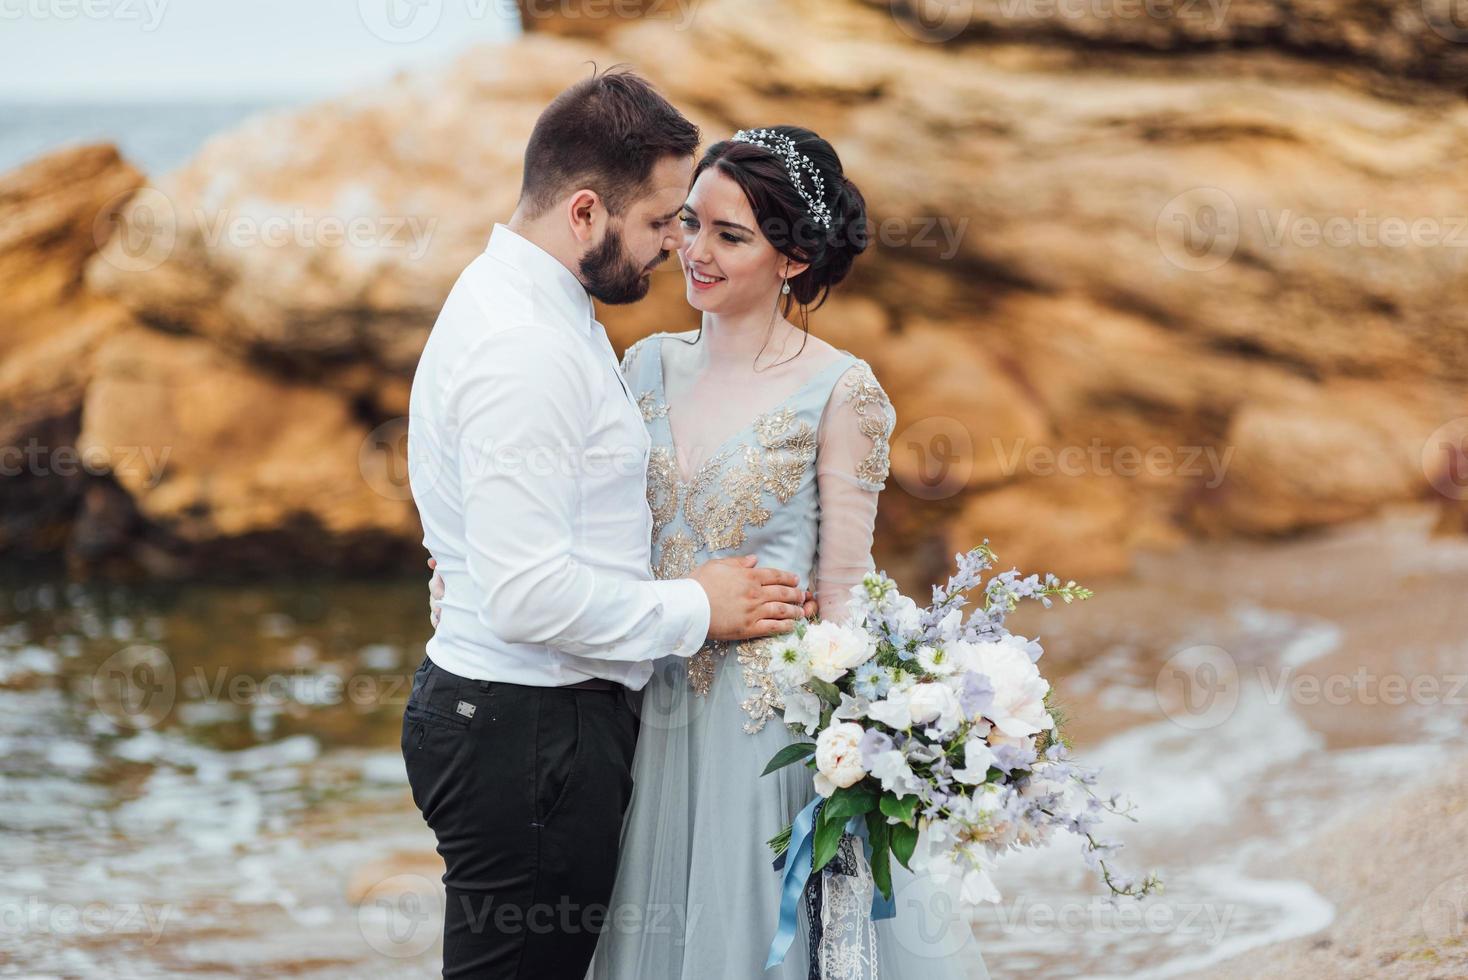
(747, 602)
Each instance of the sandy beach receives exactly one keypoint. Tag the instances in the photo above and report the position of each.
(1398, 877)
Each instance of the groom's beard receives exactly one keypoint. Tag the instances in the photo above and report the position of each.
(610, 276)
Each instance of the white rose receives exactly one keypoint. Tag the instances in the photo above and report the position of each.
(838, 758)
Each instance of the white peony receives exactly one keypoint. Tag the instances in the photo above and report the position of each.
(838, 758)
(1018, 710)
(835, 649)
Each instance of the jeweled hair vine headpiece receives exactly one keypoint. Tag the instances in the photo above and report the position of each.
(796, 165)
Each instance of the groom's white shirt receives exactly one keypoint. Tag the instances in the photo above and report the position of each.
(528, 464)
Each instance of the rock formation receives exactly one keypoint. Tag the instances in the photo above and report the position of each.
(1139, 274)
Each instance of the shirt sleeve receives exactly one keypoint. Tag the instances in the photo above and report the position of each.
(851, 470)
(523, 413)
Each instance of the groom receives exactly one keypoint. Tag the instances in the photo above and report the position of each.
(528, 462)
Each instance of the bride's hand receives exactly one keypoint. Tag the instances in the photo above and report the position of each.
(435, 594)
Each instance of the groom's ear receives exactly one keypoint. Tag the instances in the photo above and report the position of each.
(586, 214)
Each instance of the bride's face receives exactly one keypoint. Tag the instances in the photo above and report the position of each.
(728, 265)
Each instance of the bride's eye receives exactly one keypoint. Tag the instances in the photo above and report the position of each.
(688, 221)
(731, 237)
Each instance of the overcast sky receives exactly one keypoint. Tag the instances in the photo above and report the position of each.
(190, 50)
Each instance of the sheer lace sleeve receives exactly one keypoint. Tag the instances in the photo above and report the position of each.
(851, 469)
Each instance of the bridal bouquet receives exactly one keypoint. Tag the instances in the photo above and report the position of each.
(934, 734)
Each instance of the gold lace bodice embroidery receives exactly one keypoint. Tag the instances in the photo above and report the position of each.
(727, 494)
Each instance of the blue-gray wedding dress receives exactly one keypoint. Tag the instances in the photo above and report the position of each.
(696, 896)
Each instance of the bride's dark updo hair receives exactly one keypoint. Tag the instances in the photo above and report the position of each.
(785, 218)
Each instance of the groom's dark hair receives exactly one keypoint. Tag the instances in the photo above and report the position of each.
(605, 133)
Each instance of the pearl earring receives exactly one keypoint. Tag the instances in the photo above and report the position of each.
(785, 289)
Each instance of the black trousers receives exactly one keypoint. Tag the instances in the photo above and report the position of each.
(525, 789)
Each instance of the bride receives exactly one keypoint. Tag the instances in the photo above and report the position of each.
(767, 441)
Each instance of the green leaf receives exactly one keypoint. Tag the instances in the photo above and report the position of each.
(881, 837)
(852, 801)
(828, 839)
(899, 809)
(826, 692)
(789, 754)
(904, 842)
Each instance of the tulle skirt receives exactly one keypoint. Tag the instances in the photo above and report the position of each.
(696, 896)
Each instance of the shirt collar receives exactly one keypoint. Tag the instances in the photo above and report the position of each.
(552, 280)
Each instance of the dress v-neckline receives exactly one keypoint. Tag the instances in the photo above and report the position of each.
(685, 479)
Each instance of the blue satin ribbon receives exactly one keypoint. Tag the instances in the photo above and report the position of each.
(798, 858)
(796, 865)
